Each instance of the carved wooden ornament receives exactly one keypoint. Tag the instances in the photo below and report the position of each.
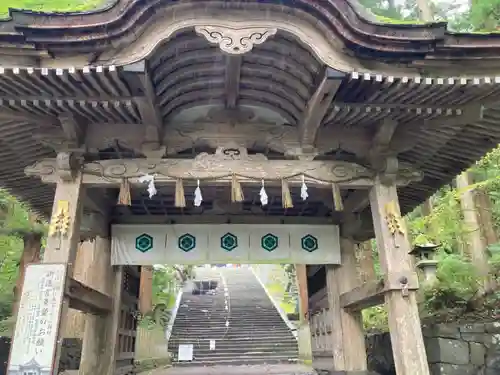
(393, 219)
(60, 221)
(223, 165)
(235, 41)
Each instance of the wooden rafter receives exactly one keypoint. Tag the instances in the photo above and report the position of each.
(318, 106)
(141, 82)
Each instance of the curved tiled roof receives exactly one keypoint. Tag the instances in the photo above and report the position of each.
(94, 31)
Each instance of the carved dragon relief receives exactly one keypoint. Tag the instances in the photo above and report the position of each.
(235, 41)
(225, 163)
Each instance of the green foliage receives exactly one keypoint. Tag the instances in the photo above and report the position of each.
(375, 318)
(457, 283)
(49, 5)
(14, 220)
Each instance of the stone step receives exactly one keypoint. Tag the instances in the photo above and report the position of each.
(206, 330)
(236, 361)
(255, 315)
(219, 323)
(241, 336)
(231, 345)
(236, 341)
(240, 350)
(225, 356)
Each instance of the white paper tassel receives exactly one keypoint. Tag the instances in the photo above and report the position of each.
(198, 198)
(303, 189)
(150, 179)
(263, 195)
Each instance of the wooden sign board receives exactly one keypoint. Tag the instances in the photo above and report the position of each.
(34, 345)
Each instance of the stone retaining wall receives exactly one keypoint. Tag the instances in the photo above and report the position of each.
(467, 349)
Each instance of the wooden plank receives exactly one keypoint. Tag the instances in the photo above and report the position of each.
(367, 295)
(393, 245)
(146, 290)
(348, 342)
(87, 299)
(99, 274)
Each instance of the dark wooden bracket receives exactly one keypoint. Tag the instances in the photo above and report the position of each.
(84, 298)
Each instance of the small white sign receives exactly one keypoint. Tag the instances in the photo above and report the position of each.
(212, 344)
(185, 352)
(34, 344)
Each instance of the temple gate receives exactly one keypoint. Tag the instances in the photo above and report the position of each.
(250, 114)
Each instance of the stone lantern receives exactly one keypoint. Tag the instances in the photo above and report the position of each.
(424, 255)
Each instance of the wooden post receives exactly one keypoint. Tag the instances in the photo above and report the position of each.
(31, 254)
(304, 331)
(146, 290)
(61, 248)
(75, 323)
(348, 339)
(400, 279)
(99, 275)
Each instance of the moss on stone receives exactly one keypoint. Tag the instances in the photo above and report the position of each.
(393, 21)
(49, 5)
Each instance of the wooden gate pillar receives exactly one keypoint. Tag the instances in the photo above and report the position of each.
(400, 283)
(304, 330)
(41, 317)
(146, 290)
(98, 274)
(348, 340)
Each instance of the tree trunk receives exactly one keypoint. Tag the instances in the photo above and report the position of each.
(484, 208)
(424, 10)
(427, 207)
(365, 261)
(476, 249)
(31, 254)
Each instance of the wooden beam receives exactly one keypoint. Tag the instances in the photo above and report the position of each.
(218, 169)
(86, 299)
(73, 129)
(357, 201)
(318, 106)
(232, 81)
(444, 110)
(362, 297)
(138, 77)
(222, 219)
(382, 138)
(50, 99)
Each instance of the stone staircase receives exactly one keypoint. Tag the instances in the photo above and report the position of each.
(249, 331)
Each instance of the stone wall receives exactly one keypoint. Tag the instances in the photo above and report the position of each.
(70, 354)
(467, 349)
